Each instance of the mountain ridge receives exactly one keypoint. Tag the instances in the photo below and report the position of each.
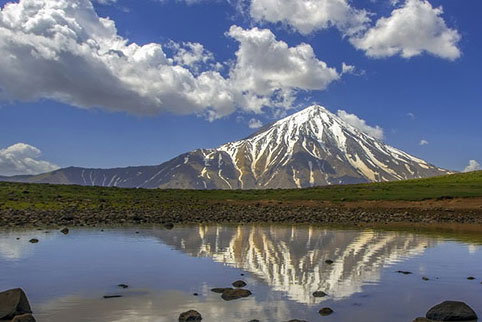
(309, 148)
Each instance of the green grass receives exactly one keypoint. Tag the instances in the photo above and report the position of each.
(51, 197)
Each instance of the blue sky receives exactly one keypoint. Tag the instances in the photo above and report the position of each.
(85, 96)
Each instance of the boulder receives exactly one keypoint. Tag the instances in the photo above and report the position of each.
(64, 231)
(13, 302)
(33, 240)
(169, 226)
(190, 316)
(24, 318)
(451, 311)
(234, 294)
(422, 320)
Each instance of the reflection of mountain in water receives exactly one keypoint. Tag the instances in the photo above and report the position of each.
(292, 260)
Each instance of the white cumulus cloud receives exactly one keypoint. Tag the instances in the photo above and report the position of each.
(62, 50)
(269, 73)
(412, 29)
(307, 16)
(472, 166)
(355, 121)
(22, 158)
(423, 142)
(255, 124)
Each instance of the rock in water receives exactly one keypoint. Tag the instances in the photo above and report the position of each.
(239, 284)
(13, 302)
(220, 289)
(451, 311)
(319, 294)
(190, 316)
(325, 311)
(24, 318)
(64, 231)
(234, 294)
(33, 240)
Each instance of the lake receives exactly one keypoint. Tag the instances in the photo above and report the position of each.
(66, 276)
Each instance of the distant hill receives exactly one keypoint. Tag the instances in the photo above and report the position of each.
(310, 148)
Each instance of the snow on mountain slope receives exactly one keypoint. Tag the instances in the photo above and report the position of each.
(310, 148)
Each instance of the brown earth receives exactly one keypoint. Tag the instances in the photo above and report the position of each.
(428, 212)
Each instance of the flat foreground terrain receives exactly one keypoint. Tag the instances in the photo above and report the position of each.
(448, 199)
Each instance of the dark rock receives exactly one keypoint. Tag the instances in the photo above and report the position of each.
(319, 294)
(234, 294)
(64, 231)
(111, 296)
(169, 226)
(24, 318)
(13, 302)
(329, 261)
(189, 316)
(471, 278)
(254, 321)
(220, 289)
(325, 311)
(123, 285)
(239, 284)
(404, 272)
(296, 320)
(195, 294)
(422, 320)
(451, 311)
(33, 240)
(425, 278)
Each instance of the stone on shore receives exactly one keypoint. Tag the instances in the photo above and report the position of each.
(190, 316)
(451, 311)
(13, 302)
(64, 231)
(33, 240)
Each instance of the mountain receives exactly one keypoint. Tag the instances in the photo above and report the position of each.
(310, 148)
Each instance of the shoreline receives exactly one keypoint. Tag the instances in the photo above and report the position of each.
(428, 212)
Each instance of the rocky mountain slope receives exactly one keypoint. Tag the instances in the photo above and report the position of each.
(310, 148)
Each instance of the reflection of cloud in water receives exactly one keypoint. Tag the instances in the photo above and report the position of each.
(292, 259)
(157, 307)
(13, 249)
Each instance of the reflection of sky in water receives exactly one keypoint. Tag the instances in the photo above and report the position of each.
(65, 276)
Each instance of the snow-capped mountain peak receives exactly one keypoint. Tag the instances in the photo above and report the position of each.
(309, 148)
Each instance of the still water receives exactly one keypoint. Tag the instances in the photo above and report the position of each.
(66, 276)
